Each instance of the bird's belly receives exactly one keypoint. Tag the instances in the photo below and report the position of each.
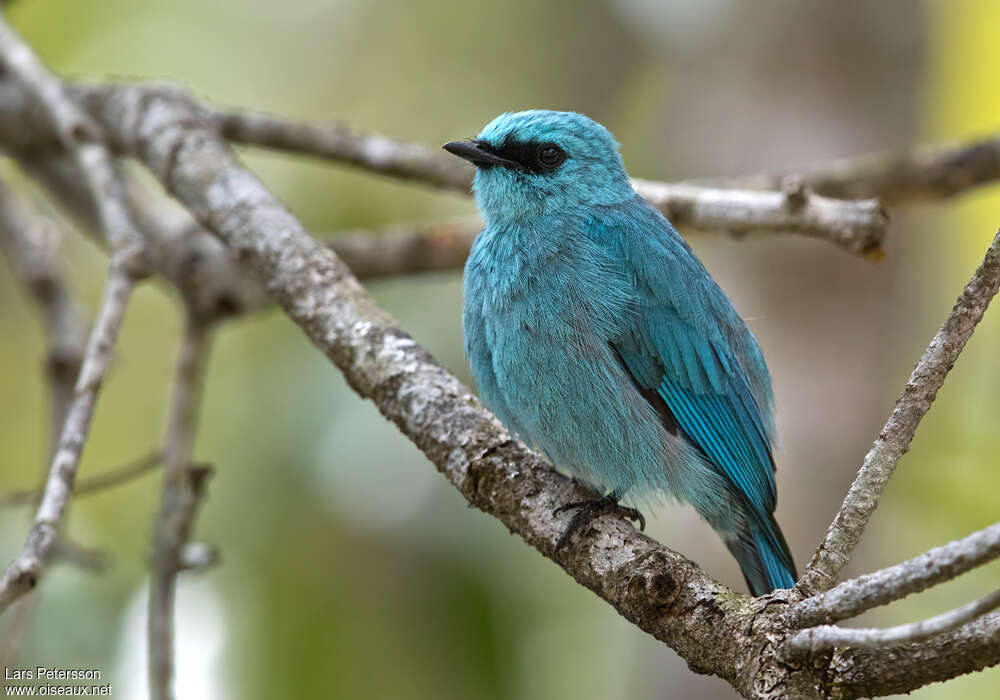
(568, 396)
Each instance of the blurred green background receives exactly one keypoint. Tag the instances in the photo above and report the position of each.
(350, 568)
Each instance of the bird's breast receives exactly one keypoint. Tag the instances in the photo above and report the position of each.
(552, 282)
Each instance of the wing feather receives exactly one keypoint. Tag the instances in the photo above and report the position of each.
(686, 344)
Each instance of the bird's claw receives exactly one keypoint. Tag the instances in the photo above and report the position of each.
(591, 509)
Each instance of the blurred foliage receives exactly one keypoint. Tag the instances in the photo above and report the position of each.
(350, 568)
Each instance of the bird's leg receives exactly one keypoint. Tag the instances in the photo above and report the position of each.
(594, 508)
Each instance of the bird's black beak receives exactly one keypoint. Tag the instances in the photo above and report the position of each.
(479, 154)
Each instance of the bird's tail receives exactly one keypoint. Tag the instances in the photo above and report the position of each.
(763, 555)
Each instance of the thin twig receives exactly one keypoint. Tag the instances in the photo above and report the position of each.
(110, 478)
(829, 636)
(23, 573)
(183, 489)
(30, 241)
(340, 142)
(858, 227)
(18, 621)
(904, 668)
(197, 556)
(879, 464)
(934, 566)
(80, 556)
(83, 140)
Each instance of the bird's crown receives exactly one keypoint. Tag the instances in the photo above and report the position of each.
(577, 135)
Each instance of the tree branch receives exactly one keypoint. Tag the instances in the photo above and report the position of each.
(901, 669)
(183, 489)
(934, 566)
(664, 594)
(340, 142)
(82, 139)
(894, 440)
(659, 590)
(193, 261)
(202, 269)
(23, 573)
(826, 637)
(29, 242)
(109, 479)
(927, 172)
(403, 250)
(858, 227)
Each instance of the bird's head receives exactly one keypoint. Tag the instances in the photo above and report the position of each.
(538, 162)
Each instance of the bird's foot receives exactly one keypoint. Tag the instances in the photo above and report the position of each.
(586, 511)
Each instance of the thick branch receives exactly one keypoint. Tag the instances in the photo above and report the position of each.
(659, 590)
(934, 566)
(23, 573)
(183, 488)
(825, 637)
(894, 440)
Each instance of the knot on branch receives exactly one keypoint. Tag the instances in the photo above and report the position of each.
(795, 191)
(63, 364)
(652, 586)
(26, 577)
(196, 478)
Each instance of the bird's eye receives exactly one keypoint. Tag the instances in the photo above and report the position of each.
(550, 156)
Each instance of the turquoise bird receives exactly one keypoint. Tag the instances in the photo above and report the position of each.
(596, 335)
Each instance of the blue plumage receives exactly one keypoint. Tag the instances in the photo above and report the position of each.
(595, 334)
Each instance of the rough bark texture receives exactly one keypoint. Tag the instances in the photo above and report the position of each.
(871, 672)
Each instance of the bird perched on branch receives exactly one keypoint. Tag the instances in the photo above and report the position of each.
(595, 334)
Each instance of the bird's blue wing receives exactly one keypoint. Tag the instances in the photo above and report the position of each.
(706, 397)
(688, 347)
